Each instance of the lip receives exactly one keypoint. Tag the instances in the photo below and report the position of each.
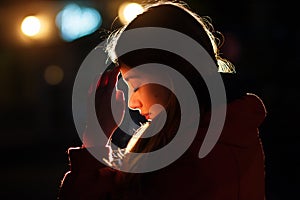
(146, 115)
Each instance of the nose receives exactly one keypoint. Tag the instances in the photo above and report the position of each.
(134, 102)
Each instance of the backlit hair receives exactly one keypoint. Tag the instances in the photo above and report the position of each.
(216, 38)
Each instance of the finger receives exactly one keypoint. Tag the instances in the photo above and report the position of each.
(103, 81)
(94, 85)
(107, 82)
(120, 96)
(109, 78)
(113, 77)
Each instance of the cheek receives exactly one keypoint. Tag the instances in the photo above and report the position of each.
(160, 95)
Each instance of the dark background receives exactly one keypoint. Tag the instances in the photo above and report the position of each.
(261, 39)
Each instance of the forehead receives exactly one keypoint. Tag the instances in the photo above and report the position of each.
(147, 74)
(124, 69)
(130, 73)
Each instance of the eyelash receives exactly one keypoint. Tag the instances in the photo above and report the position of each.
(135, 89)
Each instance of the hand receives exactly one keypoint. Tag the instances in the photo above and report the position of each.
(107, 97)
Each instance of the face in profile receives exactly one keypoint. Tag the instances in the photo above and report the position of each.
(143, 94)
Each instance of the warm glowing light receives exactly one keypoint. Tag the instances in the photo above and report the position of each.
(128, 11)
(53, 75)
(31, 26)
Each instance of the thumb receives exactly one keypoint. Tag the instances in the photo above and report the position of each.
(120, 95)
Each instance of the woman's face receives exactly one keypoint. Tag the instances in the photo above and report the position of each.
(143, 96)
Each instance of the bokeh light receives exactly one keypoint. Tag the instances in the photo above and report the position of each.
(128, 11)
(31, 26)
(75, 21)
(53, 74)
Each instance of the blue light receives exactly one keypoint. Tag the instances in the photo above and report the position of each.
(74, 21)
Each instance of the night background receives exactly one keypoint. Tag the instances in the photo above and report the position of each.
(37, 76)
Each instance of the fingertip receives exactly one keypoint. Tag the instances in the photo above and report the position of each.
(120, 95)
(117, 68)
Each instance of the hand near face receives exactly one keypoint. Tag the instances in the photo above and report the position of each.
(108, 100)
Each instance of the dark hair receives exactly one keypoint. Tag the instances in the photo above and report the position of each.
(174, 16)
(178, 17)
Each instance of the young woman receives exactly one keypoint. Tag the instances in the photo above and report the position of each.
(234, 168)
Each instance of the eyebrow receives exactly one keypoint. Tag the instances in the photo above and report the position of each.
(131, 77)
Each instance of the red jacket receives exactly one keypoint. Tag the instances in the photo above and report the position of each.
(233, 170)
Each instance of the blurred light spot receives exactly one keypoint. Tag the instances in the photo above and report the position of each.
(75, 21)
(31, 26)
(53, 75)
(128, 11)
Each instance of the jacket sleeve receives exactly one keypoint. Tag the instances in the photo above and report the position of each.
(243, 119)
(87, 178)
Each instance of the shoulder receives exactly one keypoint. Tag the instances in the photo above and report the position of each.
(249, 105)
